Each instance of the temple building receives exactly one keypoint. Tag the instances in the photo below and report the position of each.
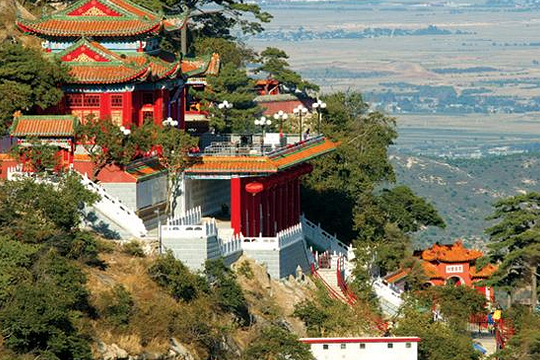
(449, 264)
(236, 197)
(117, 68)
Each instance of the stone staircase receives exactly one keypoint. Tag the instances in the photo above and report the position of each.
(329, 279)
(111, 211)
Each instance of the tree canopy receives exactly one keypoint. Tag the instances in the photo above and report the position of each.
(515, 242)
(274, 62)
(27, 81)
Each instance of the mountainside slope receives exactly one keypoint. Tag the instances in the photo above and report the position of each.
(463, 191)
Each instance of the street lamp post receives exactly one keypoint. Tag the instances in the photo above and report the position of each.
(262, 122)
(170, 122)
(300, 111)
(281, 115)
(319, 106)
(225, 106)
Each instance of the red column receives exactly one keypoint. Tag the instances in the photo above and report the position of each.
(256, 214)
(166, 104)
(158, 106)
(290, 199)
(285, 205)
(236, 205)
(273, 211)
(266, 212)
(105, 106)
(182, 109)
(127, 108)
(298, 197)
(279, 207)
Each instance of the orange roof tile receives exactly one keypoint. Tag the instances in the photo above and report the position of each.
(101, 18)
(396, 276)
(262, 164)
(44, 126)
(451, 253)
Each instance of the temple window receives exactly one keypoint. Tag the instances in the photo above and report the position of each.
(74, 100)
(116, 101)
(454, 269)
(390, 345)
(362, 346)
(91, 100)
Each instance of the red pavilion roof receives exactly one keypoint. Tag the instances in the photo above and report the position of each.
(261, 164)
(44, 126)
(101, 18)
(451, 253)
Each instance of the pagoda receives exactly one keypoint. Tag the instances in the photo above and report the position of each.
(118, 71)
(449, 264)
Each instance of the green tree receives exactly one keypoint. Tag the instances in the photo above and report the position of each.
(439, 341)
(275, 343)
(227, 292)
(341, 192)
(174, 276)
(274, 62)
(515, 242)
(38, 156)
(27, 81)
(173, 147)
(107, 144)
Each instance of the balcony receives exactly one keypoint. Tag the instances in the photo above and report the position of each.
(272, 145)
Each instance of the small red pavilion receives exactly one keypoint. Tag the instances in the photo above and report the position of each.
(452, 263)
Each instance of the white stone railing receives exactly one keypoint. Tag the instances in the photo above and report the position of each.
(387, 293)
(230, 247)
(282, 239)
(206, 229)
(192, 217)
(17, 172)
(325, 240)
(113, 208)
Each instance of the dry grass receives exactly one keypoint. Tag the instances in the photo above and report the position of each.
(153, 306)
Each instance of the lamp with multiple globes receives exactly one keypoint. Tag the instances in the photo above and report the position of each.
(300, 111)
(319, 107)
(281, 115)
(262, 122)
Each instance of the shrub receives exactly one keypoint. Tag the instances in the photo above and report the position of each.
(133, 248)
(227, 292)
(174, 276)
(245, 270)
(119, 306)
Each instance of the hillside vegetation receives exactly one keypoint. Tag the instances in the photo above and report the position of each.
(463, 191)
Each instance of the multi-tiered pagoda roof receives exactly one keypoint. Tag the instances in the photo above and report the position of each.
(101, 18)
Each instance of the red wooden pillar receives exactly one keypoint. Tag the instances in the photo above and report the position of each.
(181, 106)
(256, 214)
(298, 198)
(166, 103)
(286, 209)
(236, 204)
(292, 210)
(267, 213)
(127, 109)
(273, 211)
(158, 106)
(279, 207)
(105, 106)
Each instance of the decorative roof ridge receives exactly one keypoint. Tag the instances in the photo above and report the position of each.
(42, 117)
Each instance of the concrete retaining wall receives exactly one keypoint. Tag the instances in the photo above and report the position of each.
(282, 263)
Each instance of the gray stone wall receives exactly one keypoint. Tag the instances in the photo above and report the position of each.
(126, 192)
(282, 263)
(152, 191)
(208, 194)
(291, 257)
(191, 251)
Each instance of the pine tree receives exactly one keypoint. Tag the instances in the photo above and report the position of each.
(515, 242)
